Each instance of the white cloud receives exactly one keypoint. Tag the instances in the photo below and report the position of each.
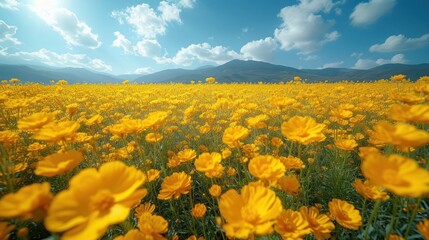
(398, 58)
(333, 65)
(123, 43)
(146, 21)
(9, 4)
(3, 51)
(400, 43)
(169, 12)
(66, 23)
(260, 50)
(369, 63)
(303, 29)
(201, 52)
(143, 70)
(245, 30)
(7, 32)
(148, 48)
(63, 60)
(356, 55)
(187, 3)
(369, 12)
(309, 57)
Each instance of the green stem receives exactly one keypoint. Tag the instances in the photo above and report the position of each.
(413, 215)
(394, 211)
(371, 218)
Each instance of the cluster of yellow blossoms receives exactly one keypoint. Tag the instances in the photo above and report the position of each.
(215, 161)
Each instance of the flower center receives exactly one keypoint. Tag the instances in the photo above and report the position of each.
(342, 215)
(249, 214)
(102, 201)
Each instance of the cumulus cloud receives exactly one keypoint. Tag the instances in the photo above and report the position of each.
(148, 48)
(399, 42)
(333, 64)
(7, 32)
(123, 43)
(303, 27)
(201, 52)
(146, 21)
(369, 12)
(9, 4)
(260, 50)
(369, 63)
(63, 60)
(187, 3)
(63, 21)
(143, 70)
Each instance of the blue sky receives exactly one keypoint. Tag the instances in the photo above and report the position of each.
(129, 36)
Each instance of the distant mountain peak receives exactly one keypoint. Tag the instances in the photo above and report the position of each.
(233, 71)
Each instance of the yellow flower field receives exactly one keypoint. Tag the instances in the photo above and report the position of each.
(215, 161)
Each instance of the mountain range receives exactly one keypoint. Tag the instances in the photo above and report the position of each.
(233, 71)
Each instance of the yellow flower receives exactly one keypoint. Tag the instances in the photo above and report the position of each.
(175, 185)
(186, 155)
(291, 225)
(258, 121)
(133, 234)
(345, 214)
(290, 184)
(72, 109)
(153, 225)
(96, 119)
(215, 190)
(398, 174)
(15, 168)
(394, 237)
(5, 230)
(226, 153)
(410, 113)
(346, 144)
(142, 208)
(276, 141)
(401, 134)
(34, 147)
(291, 162)
(423, 228)
(152, 174)
(252, 212)
(233, 135)
(320, 224)
(57, 131)
(210, 80)
(58, 163)
(304, 130)
(35, 121)
(209, 164)
(155, 119)
(8, 137)
(199, 210)
(398, 77)
(266, 167)
(95, 200)
(370, 191)
(153, 137)
(30, 202)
